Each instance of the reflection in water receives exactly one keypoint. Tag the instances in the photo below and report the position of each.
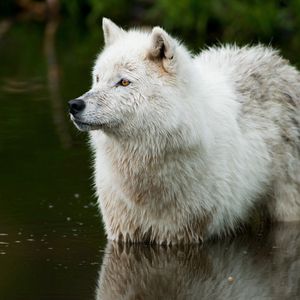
(14, 86)
(58, 105)
(266, 266)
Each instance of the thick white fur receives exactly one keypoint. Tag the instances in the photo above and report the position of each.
(191, 145)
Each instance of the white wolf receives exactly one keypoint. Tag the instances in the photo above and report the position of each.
(187, 146)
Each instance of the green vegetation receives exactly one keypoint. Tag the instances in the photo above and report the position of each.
(225, 19)
(275, 22)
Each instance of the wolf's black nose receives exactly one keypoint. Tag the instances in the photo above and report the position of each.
(76, 106)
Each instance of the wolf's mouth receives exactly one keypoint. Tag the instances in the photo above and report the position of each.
(84, 126)
(82, 123)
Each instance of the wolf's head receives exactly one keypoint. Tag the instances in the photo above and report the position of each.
(139, 83)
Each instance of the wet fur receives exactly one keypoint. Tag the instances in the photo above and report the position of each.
(194, 144)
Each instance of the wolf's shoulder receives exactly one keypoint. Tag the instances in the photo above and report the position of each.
(242, 61)
(247, 58)
(254, 72)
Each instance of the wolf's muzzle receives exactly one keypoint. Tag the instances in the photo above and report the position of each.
(76, 106)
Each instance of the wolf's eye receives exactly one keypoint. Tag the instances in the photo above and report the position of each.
(97, 78)
(124, 82)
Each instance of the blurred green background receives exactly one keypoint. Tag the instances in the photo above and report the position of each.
(196, 21)
(49, 224)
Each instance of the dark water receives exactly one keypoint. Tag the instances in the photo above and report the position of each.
(52, 244)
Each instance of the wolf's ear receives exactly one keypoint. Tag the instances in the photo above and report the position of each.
(162, 47)
(111, 31)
